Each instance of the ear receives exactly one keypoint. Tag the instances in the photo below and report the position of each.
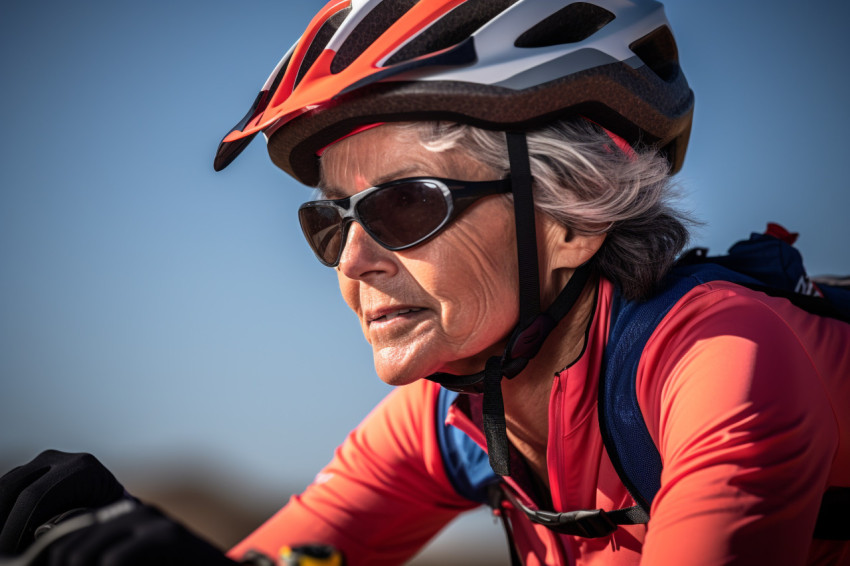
(563, 248)
(577, 250)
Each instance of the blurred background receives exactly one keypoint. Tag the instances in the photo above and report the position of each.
(173, 322)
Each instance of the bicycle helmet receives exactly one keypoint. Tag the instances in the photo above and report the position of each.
(507, 65)
(497, 64)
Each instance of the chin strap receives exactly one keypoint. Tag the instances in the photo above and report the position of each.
(533, 327)
(529, 339)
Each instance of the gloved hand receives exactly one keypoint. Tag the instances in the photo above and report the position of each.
(142, 536)
(51, 484)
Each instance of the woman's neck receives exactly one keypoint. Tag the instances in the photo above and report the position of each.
(526, 397)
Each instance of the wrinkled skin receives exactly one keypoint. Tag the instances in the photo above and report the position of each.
(464, 280)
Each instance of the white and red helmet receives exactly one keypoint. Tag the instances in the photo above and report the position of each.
(496, 64)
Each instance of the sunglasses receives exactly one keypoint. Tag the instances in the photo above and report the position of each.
(397, 215)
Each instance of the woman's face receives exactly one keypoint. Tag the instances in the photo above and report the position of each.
(445, 305)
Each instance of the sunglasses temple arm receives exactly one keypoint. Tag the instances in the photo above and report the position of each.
(464, 196)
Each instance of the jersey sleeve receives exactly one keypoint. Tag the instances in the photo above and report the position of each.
(384, 494)
(746, 429)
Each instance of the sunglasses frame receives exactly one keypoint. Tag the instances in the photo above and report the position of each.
(458, 195)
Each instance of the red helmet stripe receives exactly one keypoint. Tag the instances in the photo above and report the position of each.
(318, 84)
(348, 135)
(285, 88)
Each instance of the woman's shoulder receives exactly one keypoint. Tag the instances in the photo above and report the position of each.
(742, 349)
(724, 308)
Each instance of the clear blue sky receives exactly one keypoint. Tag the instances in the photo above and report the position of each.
(150, 308)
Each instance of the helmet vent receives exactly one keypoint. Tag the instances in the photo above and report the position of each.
(321, 40)
(570, 24)
(658, 51)
(452, 28)
(373, 25)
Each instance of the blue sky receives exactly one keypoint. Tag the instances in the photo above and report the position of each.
(151, 309)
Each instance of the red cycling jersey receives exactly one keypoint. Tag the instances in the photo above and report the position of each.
(746, 397)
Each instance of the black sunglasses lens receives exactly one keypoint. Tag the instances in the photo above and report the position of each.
(322, 226)
(402, 214)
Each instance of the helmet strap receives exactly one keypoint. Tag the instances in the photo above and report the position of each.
(495, 426)
(534, 326)
(526, 232)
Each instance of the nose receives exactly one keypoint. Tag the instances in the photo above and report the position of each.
(363, 257)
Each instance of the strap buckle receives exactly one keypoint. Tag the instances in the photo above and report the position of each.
(587, 523)
(584, 523)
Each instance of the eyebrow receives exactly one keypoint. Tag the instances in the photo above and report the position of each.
(332, 193)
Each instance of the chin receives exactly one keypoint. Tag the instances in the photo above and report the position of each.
(396, 378)
(395, 368)
(396, 372)
(399, 382)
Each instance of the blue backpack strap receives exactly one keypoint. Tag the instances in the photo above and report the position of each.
(466, 463)
(624, 432)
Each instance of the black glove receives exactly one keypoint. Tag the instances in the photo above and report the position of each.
(138, 536)
(52, 484)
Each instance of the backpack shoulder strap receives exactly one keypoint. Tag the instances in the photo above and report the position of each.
(624, 431)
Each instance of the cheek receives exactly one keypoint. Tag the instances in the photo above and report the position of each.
(488, 306)
(479, 280)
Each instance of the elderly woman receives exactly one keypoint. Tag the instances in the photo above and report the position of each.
(496, 183)
(496, 201)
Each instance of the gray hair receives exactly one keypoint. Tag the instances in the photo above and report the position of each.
(583, 180)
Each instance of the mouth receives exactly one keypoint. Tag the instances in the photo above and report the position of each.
(390, 315)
